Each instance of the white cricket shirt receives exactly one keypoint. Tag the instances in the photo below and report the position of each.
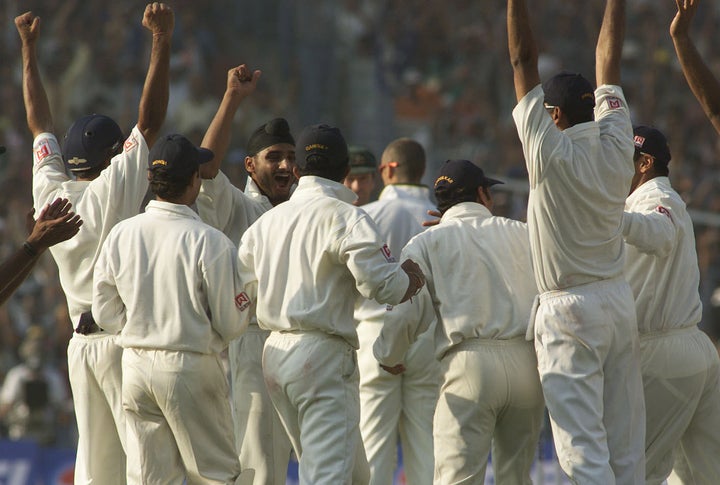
(169, 281)
(661, 264)
(479, 283)
(579, 179)
(307, 259)
(397, 220)
(115, 195)
(415, 198)
(225, 207)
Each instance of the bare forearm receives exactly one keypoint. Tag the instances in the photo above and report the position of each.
(37, 107)
(217, 137)
(156, 91)
(701, 80)
(14, 270)
(610, 43)
(522, 48)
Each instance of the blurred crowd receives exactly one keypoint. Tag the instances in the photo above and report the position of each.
(436, 71)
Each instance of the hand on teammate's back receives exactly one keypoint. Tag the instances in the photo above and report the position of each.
(417, 278)
(432, 222)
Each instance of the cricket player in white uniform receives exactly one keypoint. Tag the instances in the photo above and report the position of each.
(306, 260)
(481, 287)
(680, 366)
(398, 406)
(261, 440)
(169, 283)
(585, 329)
(363, 175)
(109, 185)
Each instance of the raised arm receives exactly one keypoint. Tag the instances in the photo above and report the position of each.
(610, 43)
(160, 20)
(522, 47)
(703, 83)
(54, 224)
(37, 108)
(240, 84)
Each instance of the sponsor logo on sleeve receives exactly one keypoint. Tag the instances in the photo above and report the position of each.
(242, 301)
(388, 255)
(130, 143)
(614, 103)
(663, 210)
(43, 150)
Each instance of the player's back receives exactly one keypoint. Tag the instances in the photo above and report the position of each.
(479, 273)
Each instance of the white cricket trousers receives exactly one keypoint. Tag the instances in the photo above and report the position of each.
(681, 377)
(490, 398)
(312, 378)
(94, 367)
(260, 438)
(179, 423)
(588, 352)
(398, 406)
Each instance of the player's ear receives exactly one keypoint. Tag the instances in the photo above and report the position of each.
(250, 164)
(646, 163)
(484, 197)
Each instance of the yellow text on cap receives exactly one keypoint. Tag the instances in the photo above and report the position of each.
(315, 146)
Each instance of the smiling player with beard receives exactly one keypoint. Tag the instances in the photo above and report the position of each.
(260, 438)
(270, 166)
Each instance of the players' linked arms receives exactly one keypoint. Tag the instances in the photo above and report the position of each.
(416, 277)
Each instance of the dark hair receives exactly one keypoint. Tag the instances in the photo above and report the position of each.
(447, 197)
(320, 166)
(168, 186)
(579, 115)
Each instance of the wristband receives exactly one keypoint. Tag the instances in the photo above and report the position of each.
(30, 249)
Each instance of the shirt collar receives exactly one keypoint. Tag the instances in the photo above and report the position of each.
(662, 182)
(465, 210)
(405, 191)
(311, 184)
(180, 210)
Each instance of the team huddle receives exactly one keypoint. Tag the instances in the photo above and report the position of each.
(337, 349)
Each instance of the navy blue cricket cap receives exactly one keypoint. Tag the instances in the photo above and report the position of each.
(324, 142)
(569, 91)
(178, 155)
(651, 141)
(462, 174)
(90, 141)
(271, 133)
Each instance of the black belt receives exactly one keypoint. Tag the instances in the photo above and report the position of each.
(87, 325)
